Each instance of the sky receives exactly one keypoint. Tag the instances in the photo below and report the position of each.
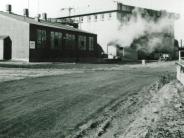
(53, 7)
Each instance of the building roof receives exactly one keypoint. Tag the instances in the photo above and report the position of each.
(88, 14)
(2, 37)
(41, 22)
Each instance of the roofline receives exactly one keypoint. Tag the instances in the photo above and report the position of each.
(57, 27)
(44, 23)
(109, 11)
(87, 14)
(102, 12)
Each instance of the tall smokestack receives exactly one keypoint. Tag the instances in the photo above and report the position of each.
(8, 8)
(44, 16)
(26, 12)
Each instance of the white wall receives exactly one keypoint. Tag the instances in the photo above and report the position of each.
(180, 73)
(103, 28)
(19, 34)
(112, 52)
(1, 49)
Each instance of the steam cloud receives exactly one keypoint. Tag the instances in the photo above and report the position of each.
(145, 32)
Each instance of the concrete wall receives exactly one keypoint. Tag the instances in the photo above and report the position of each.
(104, 28)
(180, 72)
(19, 34)
(1, 50)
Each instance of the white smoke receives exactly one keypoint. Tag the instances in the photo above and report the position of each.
(149, 27)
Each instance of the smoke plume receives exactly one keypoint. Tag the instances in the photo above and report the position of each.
(144, 32)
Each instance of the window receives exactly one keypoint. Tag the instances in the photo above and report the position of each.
(70, 42)
(102, 17)
(96, 17)
(110, 15)
(81, 19)
(124, 7)
(91, 44)
(41, 38)
(56, 40)
(89, 18)
(82, 42)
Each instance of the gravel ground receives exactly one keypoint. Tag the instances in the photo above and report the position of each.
(87, 101)
(9, 74)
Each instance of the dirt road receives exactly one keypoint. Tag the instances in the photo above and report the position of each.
(66, 103)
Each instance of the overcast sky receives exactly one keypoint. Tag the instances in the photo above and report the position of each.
(52, 7)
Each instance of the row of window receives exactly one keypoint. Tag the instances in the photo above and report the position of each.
(70, 41)
(94, 17)
(41, 38)
(56, 39)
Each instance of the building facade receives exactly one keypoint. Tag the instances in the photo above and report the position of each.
(36, 40)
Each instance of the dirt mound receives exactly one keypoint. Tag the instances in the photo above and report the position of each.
(162, 117)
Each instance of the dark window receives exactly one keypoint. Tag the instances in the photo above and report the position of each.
(96, 17)
(56, 40)
(124, 7)
(81, 19)
(110, 15)
(89, 18)
(41, 38)
(91, 44)
(82, 42)
(70, 42)
(102, 17)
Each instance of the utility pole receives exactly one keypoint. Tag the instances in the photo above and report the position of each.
(69, 10)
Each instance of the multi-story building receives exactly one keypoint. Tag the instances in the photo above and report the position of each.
(105, 23)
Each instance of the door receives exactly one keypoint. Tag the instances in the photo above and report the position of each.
(7, 48)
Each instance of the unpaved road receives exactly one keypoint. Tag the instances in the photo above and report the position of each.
(59, 105)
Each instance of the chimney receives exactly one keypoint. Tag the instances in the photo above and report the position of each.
(44, 16)
(37, 18)
(8, 8)
(26, 12)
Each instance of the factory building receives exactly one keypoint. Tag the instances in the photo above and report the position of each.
(105, 23)
(35, 39)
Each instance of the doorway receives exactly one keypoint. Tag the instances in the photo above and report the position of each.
(6, 48)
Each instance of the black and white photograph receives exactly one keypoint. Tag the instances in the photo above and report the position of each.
(91, 68)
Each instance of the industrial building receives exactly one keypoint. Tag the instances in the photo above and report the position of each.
(101, 22)
(35, 39)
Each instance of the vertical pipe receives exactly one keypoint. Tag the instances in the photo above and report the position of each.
(179, 55)
(123, 51)
(181, 43)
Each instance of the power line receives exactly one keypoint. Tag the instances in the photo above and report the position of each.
(69, 10)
